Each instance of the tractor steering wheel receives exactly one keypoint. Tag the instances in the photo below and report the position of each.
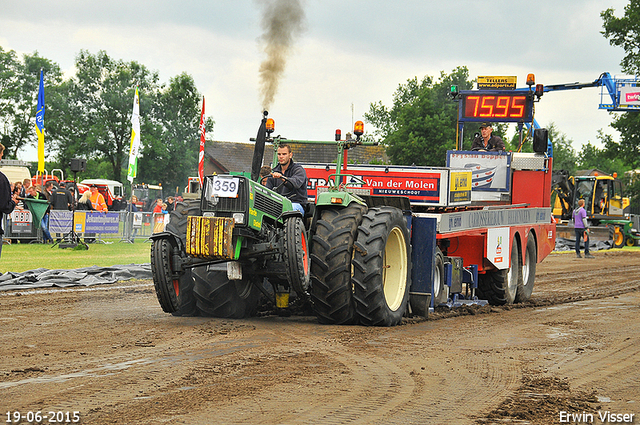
(284, 181)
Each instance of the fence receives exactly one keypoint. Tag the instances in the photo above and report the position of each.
(124, 225)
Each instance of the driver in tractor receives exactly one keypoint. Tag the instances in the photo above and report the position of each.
(289, 179)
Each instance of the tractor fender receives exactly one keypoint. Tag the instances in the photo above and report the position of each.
(173, 239)
(293, 213)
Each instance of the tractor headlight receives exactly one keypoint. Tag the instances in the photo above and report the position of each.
(238, 218)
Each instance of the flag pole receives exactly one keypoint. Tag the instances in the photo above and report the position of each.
(40, 124)
(201, 152)
(134, 149)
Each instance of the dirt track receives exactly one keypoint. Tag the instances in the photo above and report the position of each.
(112, 355)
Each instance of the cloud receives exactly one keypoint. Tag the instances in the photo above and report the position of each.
(355, 52)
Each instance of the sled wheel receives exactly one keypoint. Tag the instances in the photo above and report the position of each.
(525, 286)
(440, 290)
(174, 294)
(382, 270)
(218, 296)
(499, 287)
(331, 255)
(296, 255)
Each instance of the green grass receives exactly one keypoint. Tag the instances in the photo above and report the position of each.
(22, 257)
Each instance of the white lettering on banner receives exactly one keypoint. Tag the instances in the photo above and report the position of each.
(102, 219)
(633, 97)
(410, 184)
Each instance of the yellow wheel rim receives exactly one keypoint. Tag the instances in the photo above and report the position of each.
(394, 273)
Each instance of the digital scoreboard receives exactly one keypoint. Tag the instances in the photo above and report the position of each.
(499, 106)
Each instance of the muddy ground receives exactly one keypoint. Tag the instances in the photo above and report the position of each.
(111, 354)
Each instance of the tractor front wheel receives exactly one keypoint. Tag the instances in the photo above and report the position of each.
(296, 255)
(175, 294)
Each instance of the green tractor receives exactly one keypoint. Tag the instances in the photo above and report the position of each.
(349, 254)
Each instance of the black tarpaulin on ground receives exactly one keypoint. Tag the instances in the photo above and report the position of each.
(86, 276)
(563, 244)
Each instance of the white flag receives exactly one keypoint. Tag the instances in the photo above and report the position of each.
(135, 139)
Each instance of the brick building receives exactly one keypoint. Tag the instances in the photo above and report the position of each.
(223, 157)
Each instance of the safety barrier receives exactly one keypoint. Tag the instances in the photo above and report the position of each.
(127, 226)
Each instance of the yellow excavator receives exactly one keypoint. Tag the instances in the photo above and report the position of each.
(607, 209)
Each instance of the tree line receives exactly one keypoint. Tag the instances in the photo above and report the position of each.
(420, 126)
(88, 115)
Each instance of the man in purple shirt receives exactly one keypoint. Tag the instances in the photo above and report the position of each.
(581, 228)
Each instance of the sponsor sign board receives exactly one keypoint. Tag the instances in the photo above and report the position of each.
(629, 95)
(60, 221)
(505, 82)
(96, 222)
(498, 247)
(491, 171)
(422, 185)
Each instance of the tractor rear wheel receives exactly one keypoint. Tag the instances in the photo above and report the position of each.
(382, 267)
(296, 255)
(331, 255)
(528, 273)
(218, 296)
(499, 287)
(175, 294)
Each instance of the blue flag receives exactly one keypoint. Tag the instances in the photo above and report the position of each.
(40, 125)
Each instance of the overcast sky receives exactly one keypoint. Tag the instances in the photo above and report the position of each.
(351, 52)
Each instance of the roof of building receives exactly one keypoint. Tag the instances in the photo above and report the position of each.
(237, 156)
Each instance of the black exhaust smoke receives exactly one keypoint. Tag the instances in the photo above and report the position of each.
(282, 21)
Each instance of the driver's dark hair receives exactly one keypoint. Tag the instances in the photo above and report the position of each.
(285, 145)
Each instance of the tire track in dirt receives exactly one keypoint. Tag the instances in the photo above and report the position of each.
(380, 384)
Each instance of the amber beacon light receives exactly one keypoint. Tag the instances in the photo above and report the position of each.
(270, 125)
(358, 128)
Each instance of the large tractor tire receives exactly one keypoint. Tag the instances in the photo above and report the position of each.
(296, 255)
(174, 294)
(528, 273)
(331, 255)
(500, 287)
(382, 267)
(218, 296)
(178, 217)
(440, 289)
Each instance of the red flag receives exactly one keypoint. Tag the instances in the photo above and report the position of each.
(201, 154)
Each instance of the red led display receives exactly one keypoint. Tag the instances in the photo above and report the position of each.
(497, 107)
